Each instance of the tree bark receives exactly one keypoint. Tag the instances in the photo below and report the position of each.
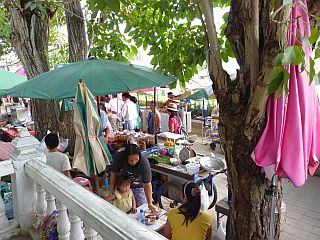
(256, 41)
(78, 50)
(29, 37)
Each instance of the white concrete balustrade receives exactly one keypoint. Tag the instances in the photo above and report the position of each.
(38, 190)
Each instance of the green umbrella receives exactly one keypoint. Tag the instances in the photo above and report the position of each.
(91, 154)
(204, 93)
(9, 80)
(100, 76)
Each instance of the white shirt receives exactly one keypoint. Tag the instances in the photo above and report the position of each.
(115, 105)
(58, 161)
(129, 111)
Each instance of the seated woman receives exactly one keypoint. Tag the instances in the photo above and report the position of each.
(187, 221)
(174, 123)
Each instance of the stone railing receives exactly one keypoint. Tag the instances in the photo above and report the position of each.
(7, 228)
(38, 190)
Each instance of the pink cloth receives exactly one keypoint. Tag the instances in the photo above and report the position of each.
(5, 150)
(21, 71)
(290, 142)
(176, 125)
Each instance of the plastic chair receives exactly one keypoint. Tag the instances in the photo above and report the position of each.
(84, 182)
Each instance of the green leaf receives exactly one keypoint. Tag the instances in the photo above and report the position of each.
(278, 59)
(279, 91)
(317, 51)
(312, 71)
(286, 77)
(33, 6)
(288, 56)
(306, 41)
(276, 79)
(286, 2)
(299, 55)
(128, 28)
(314, 35)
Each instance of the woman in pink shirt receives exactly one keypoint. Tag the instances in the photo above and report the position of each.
(174, 124)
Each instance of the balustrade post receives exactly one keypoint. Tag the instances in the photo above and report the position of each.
(23, 187)
(63, 224)
(41, 204)
(76, 232)
(51, 203)
(90, 233)
(4, 223)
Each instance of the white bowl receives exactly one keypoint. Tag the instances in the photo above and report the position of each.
(192, 168)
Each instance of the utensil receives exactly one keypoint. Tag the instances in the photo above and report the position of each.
(212, 164)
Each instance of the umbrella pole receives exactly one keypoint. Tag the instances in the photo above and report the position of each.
(154, 113)
(204, 121)
(117, 113)
(273, 192)
(98, 107)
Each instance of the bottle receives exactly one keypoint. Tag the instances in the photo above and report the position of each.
(106, 183)
(142, 218)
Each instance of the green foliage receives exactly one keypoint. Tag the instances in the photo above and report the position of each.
(294, 55)
(165, 29)
(5, 46)
(58, 42)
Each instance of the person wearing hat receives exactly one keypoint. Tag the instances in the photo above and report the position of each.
(174, 123)
(170, 99)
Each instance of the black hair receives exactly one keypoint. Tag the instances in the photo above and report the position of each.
(114, 95)
(52, 140)
(132, 149)
(172, 113)
(191, 208)
(103, 106)
(126, 95)
(169, 93)
(123, 178)
(133, 99)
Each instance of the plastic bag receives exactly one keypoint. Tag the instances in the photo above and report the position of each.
(63, 144)
(221, 232)
(205, 201)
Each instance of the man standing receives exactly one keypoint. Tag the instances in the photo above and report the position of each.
(170, 98)
(114, 107)
(129, 112)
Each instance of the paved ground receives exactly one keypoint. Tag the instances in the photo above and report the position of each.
(302, 216)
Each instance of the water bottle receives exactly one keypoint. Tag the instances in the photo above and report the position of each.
(106, 183)
(142, 218)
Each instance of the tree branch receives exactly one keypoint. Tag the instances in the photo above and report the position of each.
(274, 44)
(217, 73)
(252, 43)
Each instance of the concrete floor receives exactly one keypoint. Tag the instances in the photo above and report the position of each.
(302, 216)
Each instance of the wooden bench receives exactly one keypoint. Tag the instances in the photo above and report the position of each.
(222, 207)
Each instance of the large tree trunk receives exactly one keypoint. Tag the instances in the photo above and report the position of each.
(29, 37)
(256, 41)
(78, 50)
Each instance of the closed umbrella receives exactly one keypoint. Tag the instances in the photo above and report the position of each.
(100, 76)
(289, 145)
(9, 80)
(91, 154)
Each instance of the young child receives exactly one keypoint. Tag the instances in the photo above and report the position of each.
(123, 197)
(56, 159)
